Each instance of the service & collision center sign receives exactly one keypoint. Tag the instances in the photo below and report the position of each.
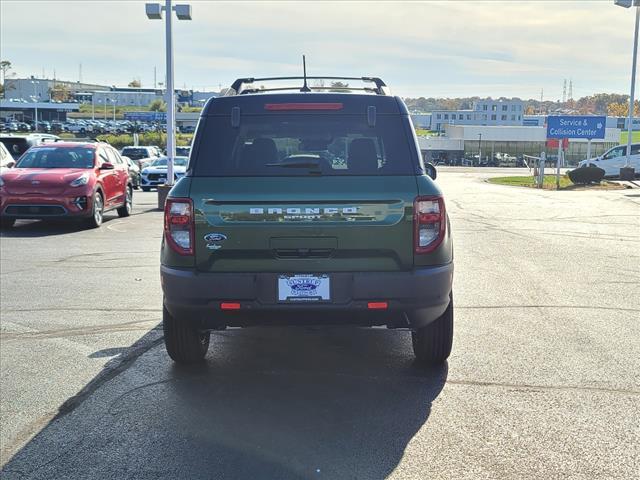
(570, 126)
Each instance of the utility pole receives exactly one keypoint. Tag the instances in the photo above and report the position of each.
(564, 92)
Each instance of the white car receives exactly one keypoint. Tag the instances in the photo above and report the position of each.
(155, 173)
(614, 159)
(6, 160)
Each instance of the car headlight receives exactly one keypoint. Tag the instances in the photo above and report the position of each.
(80, 181)
(145, 171)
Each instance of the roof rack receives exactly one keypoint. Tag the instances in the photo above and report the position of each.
(237, 86)
(79, 140)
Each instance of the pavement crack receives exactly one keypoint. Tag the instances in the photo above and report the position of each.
(568, 388)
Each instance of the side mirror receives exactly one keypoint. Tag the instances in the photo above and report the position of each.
(107, 166)
(431, 170)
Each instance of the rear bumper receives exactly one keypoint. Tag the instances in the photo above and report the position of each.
(414, 298)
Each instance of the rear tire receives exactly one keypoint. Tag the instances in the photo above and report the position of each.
(146, 189)
(125, 210)
(432, 343)
(97, 212)
(184, 343)
(7, 222)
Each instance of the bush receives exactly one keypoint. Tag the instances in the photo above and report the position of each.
(586, 175)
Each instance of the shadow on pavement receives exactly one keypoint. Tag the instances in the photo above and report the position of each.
(278, 403)
(48, 228)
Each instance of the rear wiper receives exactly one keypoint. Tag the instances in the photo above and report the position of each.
(296, 164)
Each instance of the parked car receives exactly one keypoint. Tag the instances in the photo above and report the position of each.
(183, 151)
(134, 172)
(18, 144)
(141, 155)
(74, 180)
(614, 159)
(306, 208)
(155, 173)
(6, 160)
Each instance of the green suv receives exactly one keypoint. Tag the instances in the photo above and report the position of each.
(310, 206)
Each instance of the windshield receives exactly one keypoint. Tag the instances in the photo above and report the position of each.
(56, 157)
(162, 162)
(289, 145)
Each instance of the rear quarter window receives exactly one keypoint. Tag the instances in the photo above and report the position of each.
(293, 145)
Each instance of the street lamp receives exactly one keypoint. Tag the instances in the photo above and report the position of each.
(35, 99)
(628, 4)
(183, 12)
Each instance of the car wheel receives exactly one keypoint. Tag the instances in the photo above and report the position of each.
(125, 210)
(184, 342)
(7, 222)
(95, 220)
(146, 189)
(432, 343)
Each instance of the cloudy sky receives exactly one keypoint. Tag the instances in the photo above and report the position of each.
(431, 48)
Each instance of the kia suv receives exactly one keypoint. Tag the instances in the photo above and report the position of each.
(75, 180)
(306, 207)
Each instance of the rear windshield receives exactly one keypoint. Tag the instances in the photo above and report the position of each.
(135, 153)
(52, 157)
(292, 145)
(162, 162)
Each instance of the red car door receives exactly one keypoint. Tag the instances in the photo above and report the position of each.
(107, 177)
(122, 175)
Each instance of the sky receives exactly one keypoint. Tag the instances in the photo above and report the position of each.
(432, 48)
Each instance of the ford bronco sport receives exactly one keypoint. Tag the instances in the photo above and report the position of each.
(312, 206)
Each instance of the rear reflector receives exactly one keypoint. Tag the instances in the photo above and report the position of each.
(229, 306)
(377, 305)
(303, 106)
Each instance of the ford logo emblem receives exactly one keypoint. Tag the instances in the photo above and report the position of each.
(303, 287)
(214, 237)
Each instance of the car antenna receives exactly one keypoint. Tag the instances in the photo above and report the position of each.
(304, 88)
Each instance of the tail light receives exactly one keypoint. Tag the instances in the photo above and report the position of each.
(429, 223)
(179, 225)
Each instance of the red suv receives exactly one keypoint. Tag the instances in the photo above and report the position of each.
(66, 180)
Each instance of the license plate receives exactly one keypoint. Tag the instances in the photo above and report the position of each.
(304, 288)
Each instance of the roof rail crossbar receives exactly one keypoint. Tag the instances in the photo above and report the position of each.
(236, 86)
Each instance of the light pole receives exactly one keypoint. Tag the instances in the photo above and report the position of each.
(628, 4)
(93, 106)
(183, 12)
(479, 149)
(35, 99)
(114, 101)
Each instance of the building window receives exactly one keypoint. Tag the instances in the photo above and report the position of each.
(468, 116)
(513, 108)
(493, 117)
(504, 117)
(505, 108)
(520, 117)
(438, 116)
(484, 107)
(446, 116)
(484, 116)
(460, 117)
(519, 107)
(513, 118)
(494, 108)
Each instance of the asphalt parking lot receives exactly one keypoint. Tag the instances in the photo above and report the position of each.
(542, 383)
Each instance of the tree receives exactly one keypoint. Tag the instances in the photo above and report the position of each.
(135, 83)
(158, 106)
(622, 109)
(338, 86)
(5, 66)
(60, 92)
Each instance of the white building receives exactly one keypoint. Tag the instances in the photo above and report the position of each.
(464, 142)
(484, 112)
